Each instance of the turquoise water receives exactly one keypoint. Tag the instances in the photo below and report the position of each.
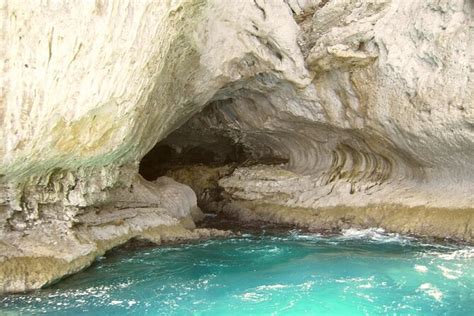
(358, 273)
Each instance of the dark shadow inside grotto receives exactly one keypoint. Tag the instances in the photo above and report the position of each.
(208, 138)
(164, 157)
(193, 156)
(208, 147)
(205, 149)
(187, 147)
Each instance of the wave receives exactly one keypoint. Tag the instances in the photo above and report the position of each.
(466, 253)
(375, 234)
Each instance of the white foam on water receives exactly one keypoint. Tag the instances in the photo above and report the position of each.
(354, 280)
(420, 268)
(467, 253)
(366, 297)
(306, 285)
(450, 273)
(362, 233)
(252, 297)
(274, 250)
(298, 235)
(374, 234)
(432, 291)
(270, 287)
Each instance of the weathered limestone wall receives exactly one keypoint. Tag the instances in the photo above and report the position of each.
(42, 251)
(383, 132)
(370, 102)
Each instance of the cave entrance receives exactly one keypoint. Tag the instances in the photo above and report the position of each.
(205, 139)
(176, 152)
(196, 154)
(208, 147)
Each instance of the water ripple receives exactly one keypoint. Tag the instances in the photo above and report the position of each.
(358, 272)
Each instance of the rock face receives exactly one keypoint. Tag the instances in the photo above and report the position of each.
(370, 103)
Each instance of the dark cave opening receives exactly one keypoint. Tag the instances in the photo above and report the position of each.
(197, 158)
(206, 149)
(176, 152)
(205, 139)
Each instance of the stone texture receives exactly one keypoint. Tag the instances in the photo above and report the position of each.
(49, 249)
(369, 102)
(376, 127)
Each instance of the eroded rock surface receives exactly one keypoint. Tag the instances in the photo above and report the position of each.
(159, 211)
(368, 104)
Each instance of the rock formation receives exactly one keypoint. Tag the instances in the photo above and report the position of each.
(320, 113)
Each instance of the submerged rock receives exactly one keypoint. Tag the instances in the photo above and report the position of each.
(367, 106)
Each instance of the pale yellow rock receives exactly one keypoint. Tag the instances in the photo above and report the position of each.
(370, 102)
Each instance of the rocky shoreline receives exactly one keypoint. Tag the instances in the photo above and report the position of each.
(159, 212)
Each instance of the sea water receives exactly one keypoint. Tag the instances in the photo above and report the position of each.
(363, 272)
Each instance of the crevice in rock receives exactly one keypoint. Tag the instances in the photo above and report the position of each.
(264, 14)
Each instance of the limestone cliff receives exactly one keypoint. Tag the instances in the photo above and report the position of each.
(369, 103)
